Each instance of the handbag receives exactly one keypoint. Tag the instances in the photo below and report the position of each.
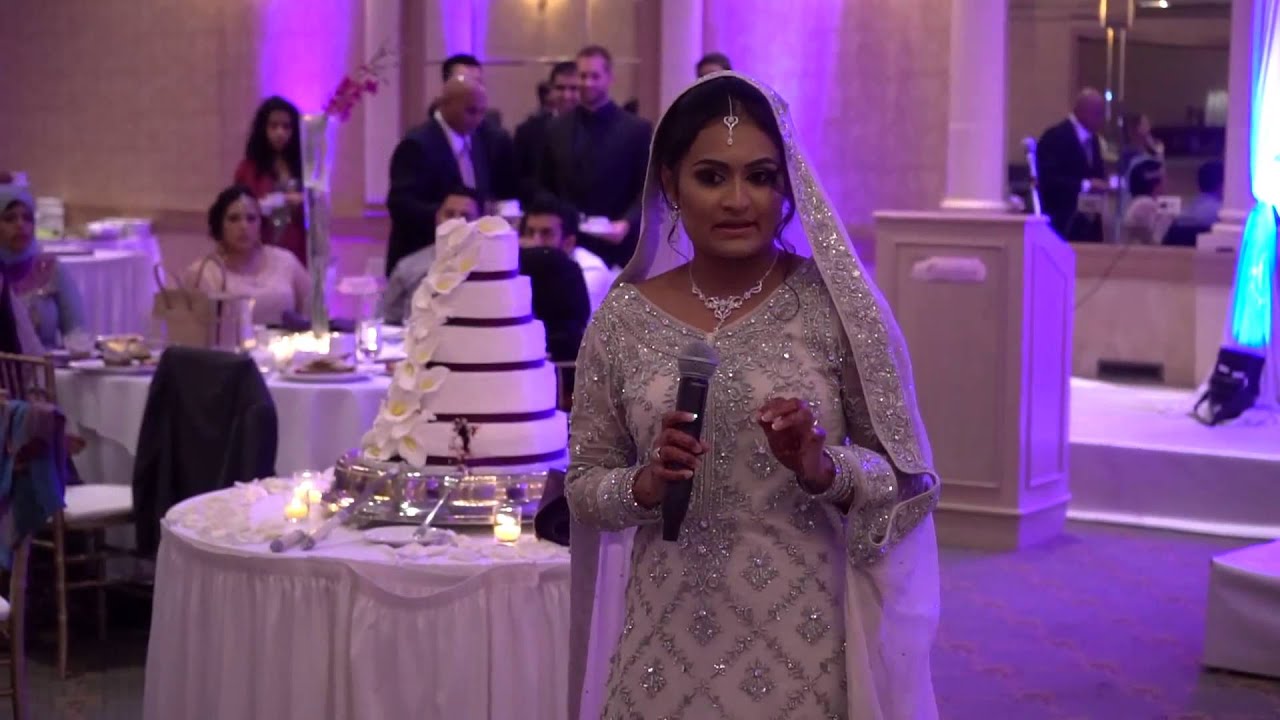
(194, 317)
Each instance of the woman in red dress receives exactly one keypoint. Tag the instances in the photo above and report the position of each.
(272, 169)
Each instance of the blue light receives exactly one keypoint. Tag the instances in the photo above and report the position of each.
(1251, 307)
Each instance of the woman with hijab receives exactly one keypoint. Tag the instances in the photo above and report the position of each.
(805, 580)
(272, 169)
(45, 301)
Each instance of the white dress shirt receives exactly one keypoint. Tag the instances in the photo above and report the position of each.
(461, 146)
(598, 276)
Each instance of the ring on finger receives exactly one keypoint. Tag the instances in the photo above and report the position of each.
(656, 454)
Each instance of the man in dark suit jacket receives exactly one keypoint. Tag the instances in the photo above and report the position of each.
(1069, 163)
(596, 160)
(452, 148)
(531, 135)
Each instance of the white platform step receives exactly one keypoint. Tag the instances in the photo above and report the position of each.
(1242, 620)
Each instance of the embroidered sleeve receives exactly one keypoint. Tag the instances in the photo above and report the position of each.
(603, 459)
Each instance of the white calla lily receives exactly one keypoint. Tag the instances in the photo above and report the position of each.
(492, 226)
(421, 351)
(412, 447)
(452, 232)
(430, 380)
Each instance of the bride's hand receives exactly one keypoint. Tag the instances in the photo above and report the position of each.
(796, 440)
(676, 455)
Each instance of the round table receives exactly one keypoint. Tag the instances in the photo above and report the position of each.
(349, 629)
(318, 422)
(116, 288)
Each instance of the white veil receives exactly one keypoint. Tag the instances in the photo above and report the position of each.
(601, 560)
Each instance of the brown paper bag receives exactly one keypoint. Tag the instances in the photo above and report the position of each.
(194, 317)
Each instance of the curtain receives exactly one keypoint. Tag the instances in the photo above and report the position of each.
(1254, 300)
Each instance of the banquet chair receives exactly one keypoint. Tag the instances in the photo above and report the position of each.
(91, 509)
(13, 615)
(564, 383)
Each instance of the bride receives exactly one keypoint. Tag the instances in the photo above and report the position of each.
(805, 580)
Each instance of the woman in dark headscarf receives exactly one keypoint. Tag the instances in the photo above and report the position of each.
(45, 301)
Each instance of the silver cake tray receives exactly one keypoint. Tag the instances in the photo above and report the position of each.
(404, 495)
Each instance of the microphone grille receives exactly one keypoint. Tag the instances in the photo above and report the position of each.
(698, 359)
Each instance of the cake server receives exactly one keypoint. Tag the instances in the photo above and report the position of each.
(448, 483)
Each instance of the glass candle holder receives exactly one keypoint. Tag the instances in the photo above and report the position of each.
(296, 511)
(506, 523)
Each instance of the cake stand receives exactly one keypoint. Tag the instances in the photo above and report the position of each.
(405, 494)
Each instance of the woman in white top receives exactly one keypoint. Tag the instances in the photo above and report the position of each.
(1145, 222)
(271, 275)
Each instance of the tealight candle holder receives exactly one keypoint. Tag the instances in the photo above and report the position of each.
(506, 523)
(296, 511)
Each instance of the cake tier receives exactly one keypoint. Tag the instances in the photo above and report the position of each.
(469, 346)
(492, 299)
(499, 254)
(500, 445)
(478, 396)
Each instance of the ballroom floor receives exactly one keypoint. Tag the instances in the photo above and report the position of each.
(1103, 623)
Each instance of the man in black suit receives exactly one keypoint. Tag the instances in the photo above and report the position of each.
(531, 135)
(596, 159)
(1069, 164)
(452, 148)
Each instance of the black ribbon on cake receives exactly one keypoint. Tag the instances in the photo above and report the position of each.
(494, 275)
(491, 367)
(490, 322)
(499, 417)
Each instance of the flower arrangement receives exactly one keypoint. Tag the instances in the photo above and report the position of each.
(400, 427)
(364, 80)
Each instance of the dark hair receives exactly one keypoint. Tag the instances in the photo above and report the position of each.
(705, 104)
(1209, 177)
(544, 204)
(544, 90)
(218, 210)
(259, 150)
(446, 68)
(714, 58)
(464, 191)
(1144, 176)
(1130, 122)
(567, 67)
(597, 51)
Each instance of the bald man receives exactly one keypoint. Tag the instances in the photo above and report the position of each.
(1069, 163)
(454, 147)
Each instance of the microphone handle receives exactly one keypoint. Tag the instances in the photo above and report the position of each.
(691, 396)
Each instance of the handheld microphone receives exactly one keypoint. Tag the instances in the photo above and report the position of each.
(697, 363)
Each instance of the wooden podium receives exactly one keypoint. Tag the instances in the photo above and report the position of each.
(985, 303)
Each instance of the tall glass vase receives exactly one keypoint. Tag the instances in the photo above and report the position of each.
(317, 161)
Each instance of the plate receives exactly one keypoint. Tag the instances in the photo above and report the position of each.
(392, 332)
(324, 378)
(98, 367)
(393, 535)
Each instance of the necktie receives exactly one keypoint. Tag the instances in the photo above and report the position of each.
(1088, 151)
(465, 168)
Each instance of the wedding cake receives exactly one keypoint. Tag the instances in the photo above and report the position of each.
(476, 391)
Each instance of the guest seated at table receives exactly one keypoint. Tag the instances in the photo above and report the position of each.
(241, 265)
(461, 202)
(37, 283)
(559, 299)
(1145, 221)
(548, 222)
(272, 169)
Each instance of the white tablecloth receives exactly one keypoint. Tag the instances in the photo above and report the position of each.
(116, 287)
(350, 630)
(318, 423)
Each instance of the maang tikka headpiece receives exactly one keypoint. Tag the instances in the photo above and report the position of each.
(730, 120)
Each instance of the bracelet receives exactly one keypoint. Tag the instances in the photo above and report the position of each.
(842, 485)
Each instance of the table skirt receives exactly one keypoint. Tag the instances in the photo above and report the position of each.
(236, 636)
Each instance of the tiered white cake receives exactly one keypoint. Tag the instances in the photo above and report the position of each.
(477, 390)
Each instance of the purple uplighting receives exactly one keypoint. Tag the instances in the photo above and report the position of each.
(302, 57)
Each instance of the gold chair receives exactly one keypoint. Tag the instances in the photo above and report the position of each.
(13, 615)
(91, 509)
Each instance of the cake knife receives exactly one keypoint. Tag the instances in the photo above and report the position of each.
(449, 484)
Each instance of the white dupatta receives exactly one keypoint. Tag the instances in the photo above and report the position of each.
(891, 598)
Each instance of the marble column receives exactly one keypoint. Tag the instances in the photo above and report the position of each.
(381, 111)
(682, 22)
(1237, 189)
(976, 169)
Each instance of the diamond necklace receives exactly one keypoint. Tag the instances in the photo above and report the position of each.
(723, 307)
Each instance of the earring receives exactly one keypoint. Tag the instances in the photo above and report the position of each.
(674, 212)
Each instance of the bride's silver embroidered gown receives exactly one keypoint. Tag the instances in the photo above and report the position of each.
(742, 617)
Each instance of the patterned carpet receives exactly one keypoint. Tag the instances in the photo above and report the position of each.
(1101, 624)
